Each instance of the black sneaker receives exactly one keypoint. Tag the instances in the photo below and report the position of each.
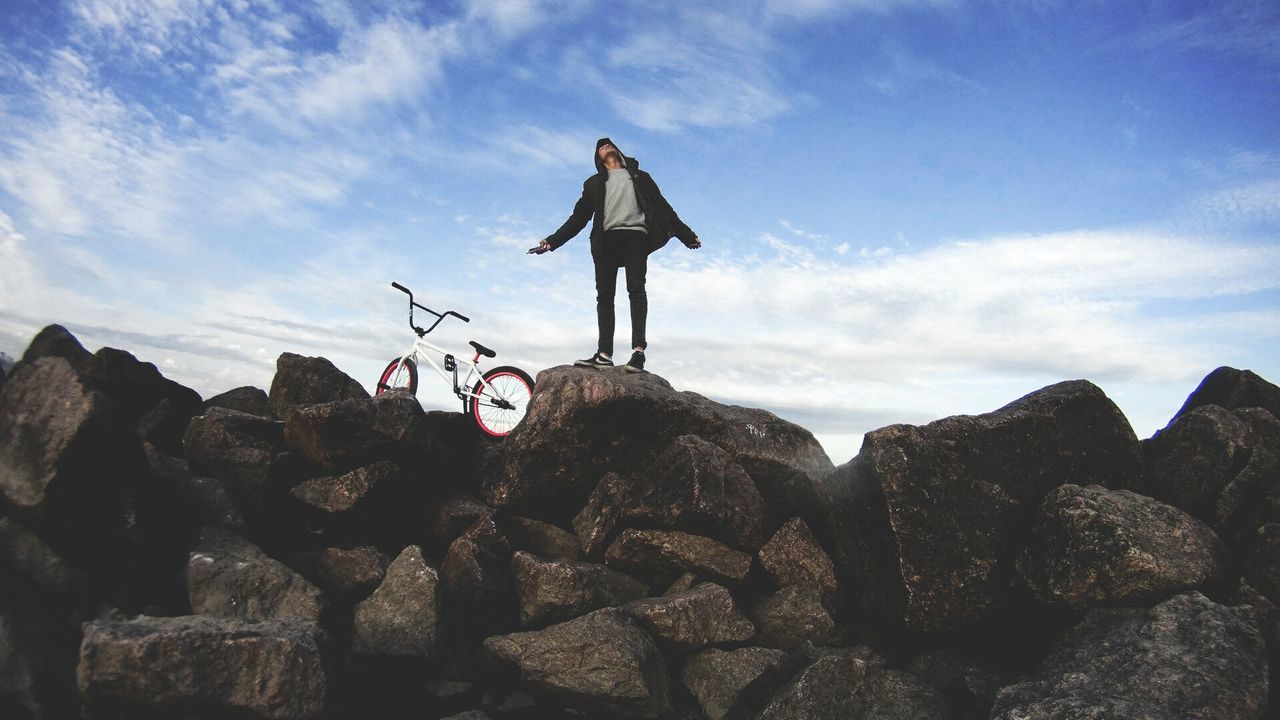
(597, 361)
(636, 363)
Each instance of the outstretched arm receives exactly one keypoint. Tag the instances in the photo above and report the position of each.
(582, 211)
(678, 228)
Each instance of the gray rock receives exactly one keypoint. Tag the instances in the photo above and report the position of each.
(718, 678)
(273, 669)
(203, 499)
(600, 663)
(402, 617)
(597, 524)
(477, 577)
(660, 556)
(556, 590)
(845, 686)
(1263, 567)
(229, 577)
(540, 538)
(582, 424)
(1093, 546)
(793, 615)
(345, 574)
(794, 557)
(307, 381)
(704, 615)
(968, 686)
(449, 518)
(682, 583)
(245, 399)
(336, 495)
(1188, 657)
(926, 520)
(244, 451)
(1233, 389)
(346, 434)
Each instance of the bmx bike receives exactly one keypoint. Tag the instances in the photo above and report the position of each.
(496, 399)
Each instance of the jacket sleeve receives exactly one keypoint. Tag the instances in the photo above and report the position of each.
(582, 211)
(677, 226)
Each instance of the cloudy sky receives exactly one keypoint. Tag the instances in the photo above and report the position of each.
(909, 209)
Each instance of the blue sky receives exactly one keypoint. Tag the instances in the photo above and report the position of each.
(909, 209)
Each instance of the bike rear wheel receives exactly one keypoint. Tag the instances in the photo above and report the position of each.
(503, 399)
(400, 373)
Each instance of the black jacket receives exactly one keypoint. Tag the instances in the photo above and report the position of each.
(660, 219)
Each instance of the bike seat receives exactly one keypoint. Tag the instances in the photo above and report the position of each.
(483, 350)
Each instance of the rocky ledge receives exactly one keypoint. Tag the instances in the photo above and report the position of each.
(629, 551)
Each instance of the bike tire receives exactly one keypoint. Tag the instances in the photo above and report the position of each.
(400, 373)
(505, 383)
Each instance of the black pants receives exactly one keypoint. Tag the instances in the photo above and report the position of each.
(622, 249)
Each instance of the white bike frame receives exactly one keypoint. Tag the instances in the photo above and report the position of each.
(461, 390)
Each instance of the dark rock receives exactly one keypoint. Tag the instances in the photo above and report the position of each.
(201, 500)
(967, 686)
(345, 574)
(402, 617)
(582, 424)
(598, 522)
(793, 615)
(336, 495)
(449, 518)
(137, 388)
(29, 556)
(704, 615)
(660, 556)
(244, 451)
(794, 557)
(477, 578)
(720, 678)
(1233, 389)
(926, 520)
(68, 465)
(307, 381)
(556, 590)
(1187, 657)
(274, 669)
(246, 399)
(1263, 569)
(165, 424)
(827, 688)
(468, 715)
(55, 341)
(1093, 546)
(343, 435)
(682, 583)
(229, 577)
(600, 663)
(542, 539)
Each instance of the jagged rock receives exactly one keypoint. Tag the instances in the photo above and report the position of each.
(967, 686)
(1186, 657)
(273, 669)
(342, 435)
(308, 381)
(39, 640)
(204, 500)
(29, 556)
(581, 424)
(718, 678)
(926, 519)
(702, 616)
(477, 577)
(449, 518)
(843, 686)
(245, 452)
(55, 341)
(597, 523)
(794, 557)
(246, 399)
(335, 495)
(682, 583)
(1233, 389)
(402, 617)
(793, 615)
(137, 387)
(1263, 570)
(1093, 546)
(557, 590)
(68, 465)
(659, 556)
(600, 663)
(345, 574)
(229, 577)
(540, 538)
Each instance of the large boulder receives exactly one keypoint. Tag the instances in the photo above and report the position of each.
(307, 381)
(344, 574)
(340, 496)
(477, 579)
(246, 452)
(402, 617)
(55, 341)
(68, 464)
(1233, 389)
(1263, 566)
(846, 686)
(689, 620)
(794, 615)
(541, 538)
(1093, 546)
(582, 424)
(600, 663)
(246, 399)
(345, 434)
(660, 556)
(177, 665)
(200, 500)
(160, 406)
(557, 590)
(968, 686)
(229, 577)
(926, 519)
(719, 679)
(692, 486)
(1187, 657)
(794, 557)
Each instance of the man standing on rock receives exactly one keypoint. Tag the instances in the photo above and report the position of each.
(630, 219)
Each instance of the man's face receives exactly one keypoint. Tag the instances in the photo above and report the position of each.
(606, 150)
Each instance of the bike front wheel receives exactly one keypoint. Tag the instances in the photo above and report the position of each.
(400, 373)
(502, 400)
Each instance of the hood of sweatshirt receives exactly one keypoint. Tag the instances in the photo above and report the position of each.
(627, 161)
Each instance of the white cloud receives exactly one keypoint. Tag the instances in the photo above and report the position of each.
(1259, 201)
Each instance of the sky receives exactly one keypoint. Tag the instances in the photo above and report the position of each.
(909, 209)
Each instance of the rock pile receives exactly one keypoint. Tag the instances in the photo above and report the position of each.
(629, 551)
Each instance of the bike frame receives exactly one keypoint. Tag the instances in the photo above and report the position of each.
(417, 352)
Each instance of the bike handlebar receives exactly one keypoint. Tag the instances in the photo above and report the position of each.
(439, 316)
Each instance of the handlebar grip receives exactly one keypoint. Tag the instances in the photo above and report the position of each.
(399, 287)
(463, 318)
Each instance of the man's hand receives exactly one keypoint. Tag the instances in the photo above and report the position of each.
(695, 244)
(540, 248)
